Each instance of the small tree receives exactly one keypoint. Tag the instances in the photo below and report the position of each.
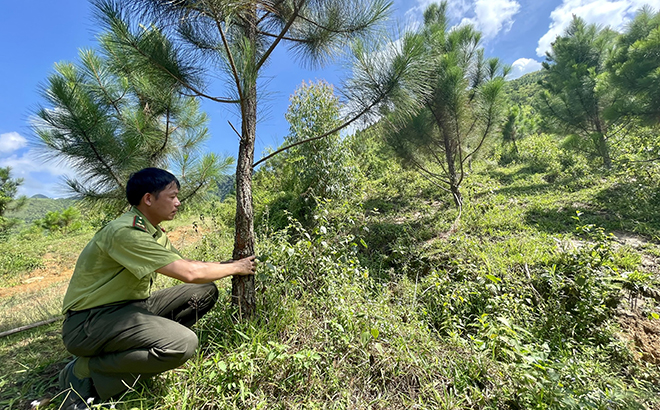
(510, 128)
(575, 90)
(237, 39)
(8, 200)
(460, 108)
(317, 169)
(66, 221)
(633, 68)
(108, 120)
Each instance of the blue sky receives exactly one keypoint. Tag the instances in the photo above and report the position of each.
(37, 33)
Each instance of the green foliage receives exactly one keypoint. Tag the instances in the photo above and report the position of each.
(522, 119)
(373, 157)
(320, 165)
(14, 261)
(582, 282)
(576, 93)
(509, 136)
(8, 200)
(523, 90)
(633, 68)
(459, 109)
(322, 323)
(109, 117)
(36, 208)
(312, 171)
(68, 220)
(544, 153)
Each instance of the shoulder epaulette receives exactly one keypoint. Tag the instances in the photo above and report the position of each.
(138, 222)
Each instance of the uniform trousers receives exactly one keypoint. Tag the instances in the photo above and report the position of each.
(138, 339)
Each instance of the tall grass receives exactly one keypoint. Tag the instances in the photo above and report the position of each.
(375, 305)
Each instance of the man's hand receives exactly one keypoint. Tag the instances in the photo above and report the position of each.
(203, 272)
(245, 266)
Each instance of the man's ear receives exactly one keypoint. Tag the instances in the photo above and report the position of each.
(147, 199)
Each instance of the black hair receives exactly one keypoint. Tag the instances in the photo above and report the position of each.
(148, 180)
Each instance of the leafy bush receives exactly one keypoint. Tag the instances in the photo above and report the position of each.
(541, 153)
(66, 221)
(16, 261)
(298, 179)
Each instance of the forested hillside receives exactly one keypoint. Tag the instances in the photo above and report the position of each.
(37, 208)
(523, 90)
(482, 244)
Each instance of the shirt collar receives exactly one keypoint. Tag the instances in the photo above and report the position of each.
(154, 231)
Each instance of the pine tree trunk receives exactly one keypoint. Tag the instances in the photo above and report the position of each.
(458, 197)
(242, 288)
(601, 143)
(513, 139)
(450, 155)
(604, 150)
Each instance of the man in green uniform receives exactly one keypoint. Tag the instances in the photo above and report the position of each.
(116, 327)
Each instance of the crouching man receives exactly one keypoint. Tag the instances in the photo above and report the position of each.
(116, 327)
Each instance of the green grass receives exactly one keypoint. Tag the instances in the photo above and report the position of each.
(25, 308)
(24, 252)
(31, 362)
(379, 306)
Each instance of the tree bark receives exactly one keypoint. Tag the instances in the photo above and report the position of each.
(450, 156)
(242, 288)
(604, 150)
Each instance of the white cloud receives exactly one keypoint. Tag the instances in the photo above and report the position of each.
(11, 142)
(523, 66)
(39, 177)
(615, 14)
(455, 9)
(489, 16)
(493, 16)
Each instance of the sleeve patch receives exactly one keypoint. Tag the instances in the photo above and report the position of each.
(138, 222)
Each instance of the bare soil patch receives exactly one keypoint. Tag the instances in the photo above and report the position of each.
(58, 268)
(642, 333)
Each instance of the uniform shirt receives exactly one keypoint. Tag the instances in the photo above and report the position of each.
(119, 263)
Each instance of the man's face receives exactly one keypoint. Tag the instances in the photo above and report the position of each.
(165, 205)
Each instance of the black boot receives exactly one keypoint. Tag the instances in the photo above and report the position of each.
(78, 391)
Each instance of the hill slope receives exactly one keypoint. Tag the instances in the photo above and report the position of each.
(36, 208)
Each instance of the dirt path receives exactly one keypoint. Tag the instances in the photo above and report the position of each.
(57, 270)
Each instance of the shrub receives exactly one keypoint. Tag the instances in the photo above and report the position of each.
(66, 221)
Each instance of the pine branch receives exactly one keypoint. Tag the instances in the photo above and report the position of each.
(232, 64)
(178, 79)
(167, 135)
(292, 19)
(91, 144)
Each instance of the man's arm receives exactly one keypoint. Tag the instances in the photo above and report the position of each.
(203, 272)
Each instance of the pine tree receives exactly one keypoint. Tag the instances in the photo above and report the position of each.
(575, 91)
(237, 39)
(459, 93)
(108, 118)
(8, 201)
(634, 68)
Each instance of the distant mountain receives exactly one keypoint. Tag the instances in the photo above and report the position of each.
(38, 206)
(225, 185)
